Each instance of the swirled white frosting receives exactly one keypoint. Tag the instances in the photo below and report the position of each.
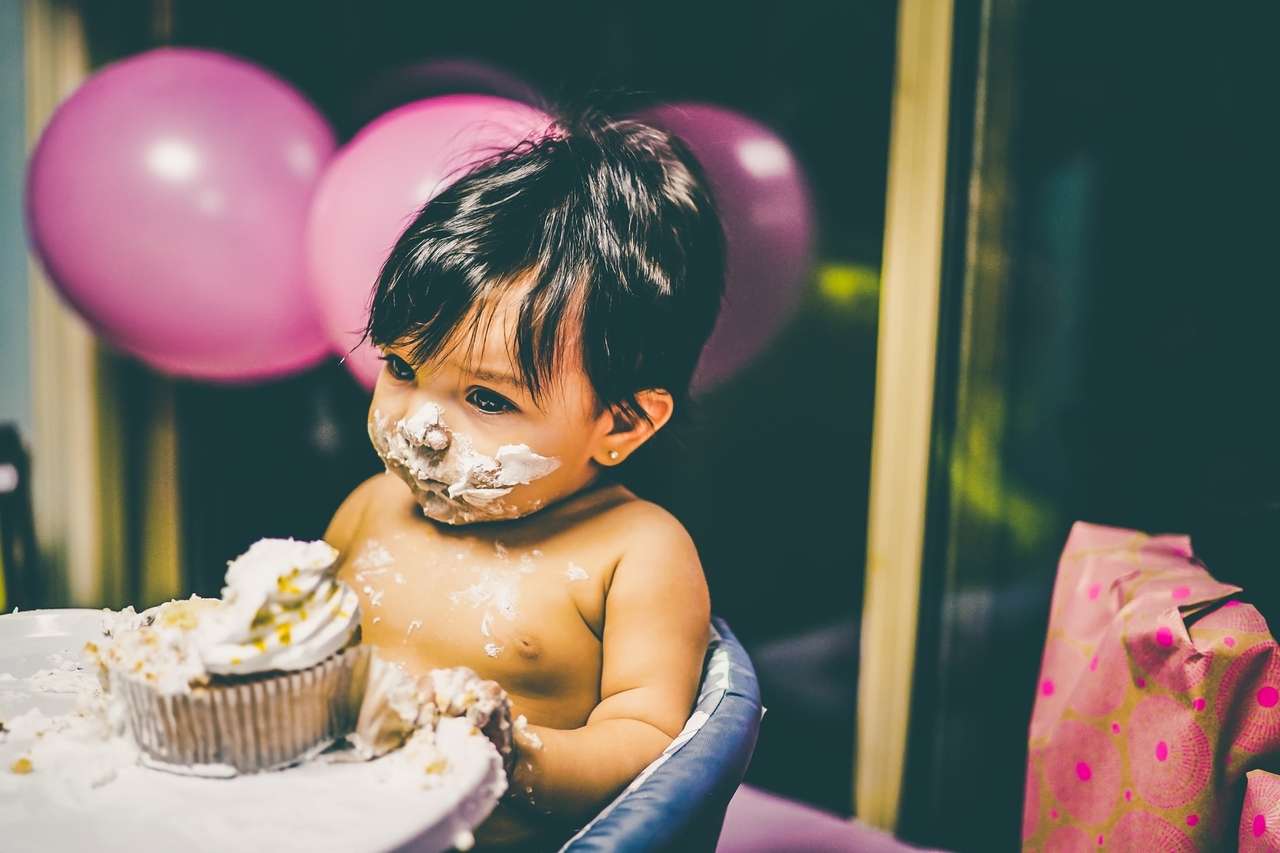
(282, 608)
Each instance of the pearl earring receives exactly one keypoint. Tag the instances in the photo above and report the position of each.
(613, 455)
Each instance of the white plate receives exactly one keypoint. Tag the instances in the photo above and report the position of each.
(319, 806)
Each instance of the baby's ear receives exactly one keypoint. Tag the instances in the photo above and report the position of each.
(630, 431)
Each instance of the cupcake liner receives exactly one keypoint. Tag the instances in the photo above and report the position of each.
(248, 725)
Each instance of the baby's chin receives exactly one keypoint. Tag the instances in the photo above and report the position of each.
(439, 507)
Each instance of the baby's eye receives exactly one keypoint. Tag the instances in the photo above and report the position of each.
(398, 367)
(489, 402)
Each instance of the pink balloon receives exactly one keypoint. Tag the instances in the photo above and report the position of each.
(168, 197)
(767, 211)
(378, 182)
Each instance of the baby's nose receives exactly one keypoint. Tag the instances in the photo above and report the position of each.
(426, 427)
(437, 438)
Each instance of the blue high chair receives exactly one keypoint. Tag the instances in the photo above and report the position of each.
(679, 801)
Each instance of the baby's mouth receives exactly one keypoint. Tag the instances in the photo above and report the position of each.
(421, 448)
(436, 486)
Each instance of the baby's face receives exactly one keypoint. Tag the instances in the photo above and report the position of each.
(468, 439)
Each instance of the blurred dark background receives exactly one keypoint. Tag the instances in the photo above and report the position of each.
(1133, 326)
(782, 546)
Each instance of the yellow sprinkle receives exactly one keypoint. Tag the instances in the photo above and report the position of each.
(181, 615)
(260, 644)
(437, 766)
(302, 614)
(344, 614)
(262, 617)
(283, 635)
(235, 661)
(285, 584)
(91, 648)
(22, 766)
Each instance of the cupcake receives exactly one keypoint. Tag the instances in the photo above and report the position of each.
(266, 676)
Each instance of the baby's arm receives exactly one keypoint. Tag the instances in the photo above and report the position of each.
(656, 627)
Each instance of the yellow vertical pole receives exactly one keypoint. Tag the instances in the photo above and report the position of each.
(161, 555)
(80, 470)
(907, 349)
(64, 355)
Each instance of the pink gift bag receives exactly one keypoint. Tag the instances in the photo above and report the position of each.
(1260, 817)
(1158, 693)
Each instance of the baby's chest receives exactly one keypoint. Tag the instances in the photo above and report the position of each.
(511, 614)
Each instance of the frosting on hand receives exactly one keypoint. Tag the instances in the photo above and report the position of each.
(397, 706)
(389, 712)
(458, 692)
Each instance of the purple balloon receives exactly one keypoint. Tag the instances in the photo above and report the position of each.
(767, 212)
(168, 198)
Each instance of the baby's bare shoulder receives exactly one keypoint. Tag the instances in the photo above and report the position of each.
(622, 517)
(652, 538)
(649, 520)
(347, 519)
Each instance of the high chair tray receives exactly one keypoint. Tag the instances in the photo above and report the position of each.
(81, 793)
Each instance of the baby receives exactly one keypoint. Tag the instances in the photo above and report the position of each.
(540, 321)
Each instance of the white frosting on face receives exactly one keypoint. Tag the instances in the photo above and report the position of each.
(283, 608)
(452, 481)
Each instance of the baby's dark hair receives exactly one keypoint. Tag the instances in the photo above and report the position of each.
(610, 222)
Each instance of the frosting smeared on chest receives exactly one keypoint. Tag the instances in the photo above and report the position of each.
(505, 607)
(495, 591)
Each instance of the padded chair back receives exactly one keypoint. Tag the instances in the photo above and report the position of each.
(679, 801)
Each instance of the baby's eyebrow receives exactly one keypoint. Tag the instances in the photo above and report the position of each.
(496, 376)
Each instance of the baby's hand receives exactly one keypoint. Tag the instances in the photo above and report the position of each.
(459, 692)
